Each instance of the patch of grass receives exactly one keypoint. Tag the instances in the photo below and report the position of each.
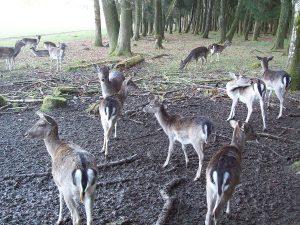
(51, 102)
(3, 101)
(296, 166)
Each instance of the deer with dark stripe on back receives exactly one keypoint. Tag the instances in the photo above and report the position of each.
(218, 49)
(74, 170)
(195, 54)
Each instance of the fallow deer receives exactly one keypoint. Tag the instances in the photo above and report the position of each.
(247, 90)
(275, 80)
(74, 170)
(58, 54)
(40, 53)
(33, 42)
(186, 130)
(218, 49)
(48, 44)
(195, 54)
(9, 54)
(223, 171)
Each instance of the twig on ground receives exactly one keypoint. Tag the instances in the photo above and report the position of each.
(119, 162)
(274, 137)
(26, 100)
(159, 56)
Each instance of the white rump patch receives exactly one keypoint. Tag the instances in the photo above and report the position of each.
(78, 177)
(225, 178)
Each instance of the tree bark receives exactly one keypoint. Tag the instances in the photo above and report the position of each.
(144, 20)
(248, 27)
(294, 49)
(204, 17)
(112, 23)
(137, 19)
(256, 31)
(157, 24)
(98, 35)
(235, 22)
(208, 20)
(222, 24)
(282, 24)
(192, 17)
(123, 46)
(198, 17)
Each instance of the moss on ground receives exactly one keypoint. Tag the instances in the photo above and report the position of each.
(93, 108)
(51, 102)
(296, 166)
(3, 101)
(65, 90)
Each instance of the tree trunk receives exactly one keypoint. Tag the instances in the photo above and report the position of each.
(192, 17)
(123, 47)
(179, 21)
(256, 31)
(208, 20)
(235, 22)
(222, 24)
(150, 26)
(198, 17)
(248, 27)
(282, 24)
(144, 20)
(137, 19)
(204, 18)
(157, 24)
(112, 23)
(294, 49)
(98, 35)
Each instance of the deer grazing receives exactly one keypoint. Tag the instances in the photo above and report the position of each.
(39, 53)
(247, 91)
(74, 170)
(279, 81)
(9, 54)
(186, 130)
(218, 49)
(110, 110)
(58, 54)
(223, 171)
(33, 42)
(48, 44)
(111, 81)
(195, 54)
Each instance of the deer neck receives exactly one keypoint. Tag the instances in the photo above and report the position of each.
(264, 66)
(238, 139)
(164, 118)
(52, 142)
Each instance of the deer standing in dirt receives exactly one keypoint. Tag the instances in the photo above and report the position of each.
(39, 53)
(223, 171)
(48, 44)
(278, 81)
(218, 49)
(247, 90)
(110, 110)
(74, 170)
(195, 54)
(33, 42)
(9, 54)
(58, 54)
(186, 130)
(111, 81)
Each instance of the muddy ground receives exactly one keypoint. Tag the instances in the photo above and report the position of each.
(269, 189)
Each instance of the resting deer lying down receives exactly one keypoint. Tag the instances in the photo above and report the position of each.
(279, 81)
(74, 170)
(195, 54)
(224, 169)
(186, 130)
(39, 53)
(218, 49)
(110, 110)
(10, 53)
(247, 91)
(33, 42)
(111, 81)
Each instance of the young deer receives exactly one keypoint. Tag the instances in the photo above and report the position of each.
(58, 54)
(111, 82)
(39, 53)
(218, 49)
(223, 171)
(110, 110)
(10, 53)
(74, 170)
(186, 130)
(247, 91)
(33, 42)
(195, 54)
(279, 81)
(48, 44)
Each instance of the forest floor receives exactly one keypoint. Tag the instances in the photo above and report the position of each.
(269, 189)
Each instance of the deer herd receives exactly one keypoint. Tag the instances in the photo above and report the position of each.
(75, 170)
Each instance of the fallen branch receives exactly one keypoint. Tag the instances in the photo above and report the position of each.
(127, 63)
(274, 137)
(169, 200)
(81, 66)
(119, 162)
(159, 56)
(38, 100)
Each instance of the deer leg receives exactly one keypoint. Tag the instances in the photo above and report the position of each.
(280, 97)
(210, 200)
(171, 148)
(232, 111)
(107, 138)
(115, 130)
(228, 207)
(221, 201)
(199, 150)
(250, 110)
(73, 210)
(185, 155)
(61, 209)
(57, 64)
(88, 204)
(261, 102)
(269, 94)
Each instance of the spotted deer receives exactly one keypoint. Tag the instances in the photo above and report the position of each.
(48, 44)
(58, 54)
(110, 110)
(111, 81)
(74, 170)
(39, 53)
(278, 81)
(9, 54)
(223, 171)
(33, 42)
(247, 90)
(195, 54)
(218, 49)
(186, 130)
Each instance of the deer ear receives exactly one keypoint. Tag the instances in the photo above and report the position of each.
(259, 58)
(233, 75)
(270, 58)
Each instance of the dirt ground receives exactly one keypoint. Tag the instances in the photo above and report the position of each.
(269, 189)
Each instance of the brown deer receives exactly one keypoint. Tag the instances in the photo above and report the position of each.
(278, 81)
(195, 54)
(33, 42)
(74, 170)
(9, 54)
(218, 49)
(58, 54)
(48, 44)
(39, 53)
(186, 130)
(223, 171)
